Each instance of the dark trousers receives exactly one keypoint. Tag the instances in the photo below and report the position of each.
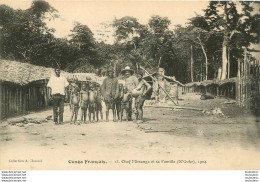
(130, 109)
(58, 107)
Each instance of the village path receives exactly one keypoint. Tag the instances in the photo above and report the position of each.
(202, 140)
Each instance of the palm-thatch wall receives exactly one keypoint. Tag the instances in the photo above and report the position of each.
(23, 87)
(215, 87)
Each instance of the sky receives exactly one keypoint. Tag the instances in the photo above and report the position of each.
(95, 13)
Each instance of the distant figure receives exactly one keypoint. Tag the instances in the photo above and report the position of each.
(139, 93)
(158, 92)
(75, 105)
(125, 103)
(109, 90)
(84, 102)
(58, 84)
(130, 82)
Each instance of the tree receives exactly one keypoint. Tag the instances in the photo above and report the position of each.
(129, 34)
(223, 17)
(158, 43)
(24, 34)
(82, 38)
(182, 42)
(199, 33)
(127, 29)
(150, 45)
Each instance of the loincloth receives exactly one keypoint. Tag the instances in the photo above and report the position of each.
(84, 104)
(74, 108)
(139, 100)
(125, 105)
(99, 106)
(92, 106)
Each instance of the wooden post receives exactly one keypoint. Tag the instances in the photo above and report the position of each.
(1, 101)
(238, 82)
(29, 98)
(24, 100)
(9, 100)
(245, 77)
(21, 101)
(15, 101)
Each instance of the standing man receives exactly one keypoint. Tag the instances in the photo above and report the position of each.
(131, 83)
(57, 84)
(109, 90)
(158, 93)
(139, 93)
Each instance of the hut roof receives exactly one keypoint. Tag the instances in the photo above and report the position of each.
(24, 73)
(168, 78)
(83, 76)
(212, 82)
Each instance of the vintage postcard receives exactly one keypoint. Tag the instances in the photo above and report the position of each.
(129, 85)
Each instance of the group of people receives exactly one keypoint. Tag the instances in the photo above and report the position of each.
(127, 97)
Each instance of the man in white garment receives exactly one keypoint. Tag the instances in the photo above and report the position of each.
(58, 84)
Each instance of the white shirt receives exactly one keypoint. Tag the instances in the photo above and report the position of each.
(57, 85)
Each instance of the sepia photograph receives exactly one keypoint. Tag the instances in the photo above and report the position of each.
(129, 85)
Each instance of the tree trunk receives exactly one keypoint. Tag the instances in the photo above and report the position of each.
(191, 65)
(206, 58)
(219, 73)
(206, 62)
(224, 59)
(224, 46)
(228, 58)
(201, 75)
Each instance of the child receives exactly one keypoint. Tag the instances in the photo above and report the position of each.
(125, 103)
(92, 103)
(75, 104)
(84, 102)
(72, 87)
(99, 102)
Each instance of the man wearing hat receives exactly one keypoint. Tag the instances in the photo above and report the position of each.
(109, 90)
(58, 84)
(131, 82)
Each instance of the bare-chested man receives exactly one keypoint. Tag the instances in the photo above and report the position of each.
(140, 94)
(109, 90)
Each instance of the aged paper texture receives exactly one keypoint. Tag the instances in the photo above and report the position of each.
(202, 134)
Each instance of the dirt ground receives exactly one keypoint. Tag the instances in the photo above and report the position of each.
(222, 136)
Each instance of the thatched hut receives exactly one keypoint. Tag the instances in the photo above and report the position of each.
(23, 87)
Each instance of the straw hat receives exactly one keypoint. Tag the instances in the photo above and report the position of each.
(110, 69)
(127, 68)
